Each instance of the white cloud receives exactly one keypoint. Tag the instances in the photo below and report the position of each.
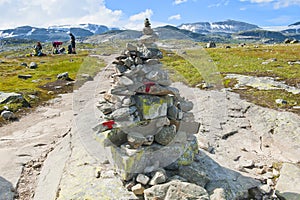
(43, 13)
(286, 3)
(177, 17)
(142, 15)
(176, 2)
(277, 4)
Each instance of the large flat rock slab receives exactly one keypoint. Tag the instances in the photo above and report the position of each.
(288, 186)
(32, 136)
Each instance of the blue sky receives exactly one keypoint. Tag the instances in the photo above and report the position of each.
(131, 13)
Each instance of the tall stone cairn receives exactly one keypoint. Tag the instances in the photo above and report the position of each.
(146, 124)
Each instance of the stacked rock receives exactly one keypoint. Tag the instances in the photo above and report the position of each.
(146, 123)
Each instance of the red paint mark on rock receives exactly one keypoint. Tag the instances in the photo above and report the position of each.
(148, 86)
(109, 124)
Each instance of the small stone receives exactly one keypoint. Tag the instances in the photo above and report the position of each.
(124, 81)
(270, 182)
(105, 162)
(166, 135)
(24, 76)
(247, 163)
(143, 179)
(261, 171)
(268, 175)
(138, 189)
(8, 115)
(108, 174)
(37, 165)
(265, 189)
(129, 185)
(58, 87)
(136, 140)
(259, 165)
(276, 173)
(64, 76)
(218, 194)
(23, 64)
(281, 101)
(211, 149)
(33, 65)
(159, 176)
(149, 140)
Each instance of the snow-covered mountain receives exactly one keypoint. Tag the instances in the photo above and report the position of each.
(228, 26)
(54, 32)
(292, 29)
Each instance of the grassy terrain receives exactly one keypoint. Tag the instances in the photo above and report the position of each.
(197, 65)
(49, 67)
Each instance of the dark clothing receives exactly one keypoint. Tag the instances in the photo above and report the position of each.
(72, 40)
(72, 43)
(38, 50)
(69, 49)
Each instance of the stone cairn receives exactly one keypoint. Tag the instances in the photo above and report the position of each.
(146, 124)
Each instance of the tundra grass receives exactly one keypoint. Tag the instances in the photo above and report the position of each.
(211, 65)
(48, 68)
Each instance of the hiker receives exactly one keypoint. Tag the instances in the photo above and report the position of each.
(38, 49)
(69, 49)
(72, 43)
(56, 48)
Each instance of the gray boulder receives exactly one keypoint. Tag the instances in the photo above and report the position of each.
(7, 98)
(176, 190)
(6, 190)
(33, 65)
(8, 115)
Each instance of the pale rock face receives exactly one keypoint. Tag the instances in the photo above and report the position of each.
(288, 183)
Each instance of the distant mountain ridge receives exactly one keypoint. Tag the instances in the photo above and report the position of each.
(223, 31)
(59, 32)
(228, 26)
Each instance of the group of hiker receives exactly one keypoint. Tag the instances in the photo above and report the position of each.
(56, 47)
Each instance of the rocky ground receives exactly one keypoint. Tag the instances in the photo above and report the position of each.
(45, 155)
